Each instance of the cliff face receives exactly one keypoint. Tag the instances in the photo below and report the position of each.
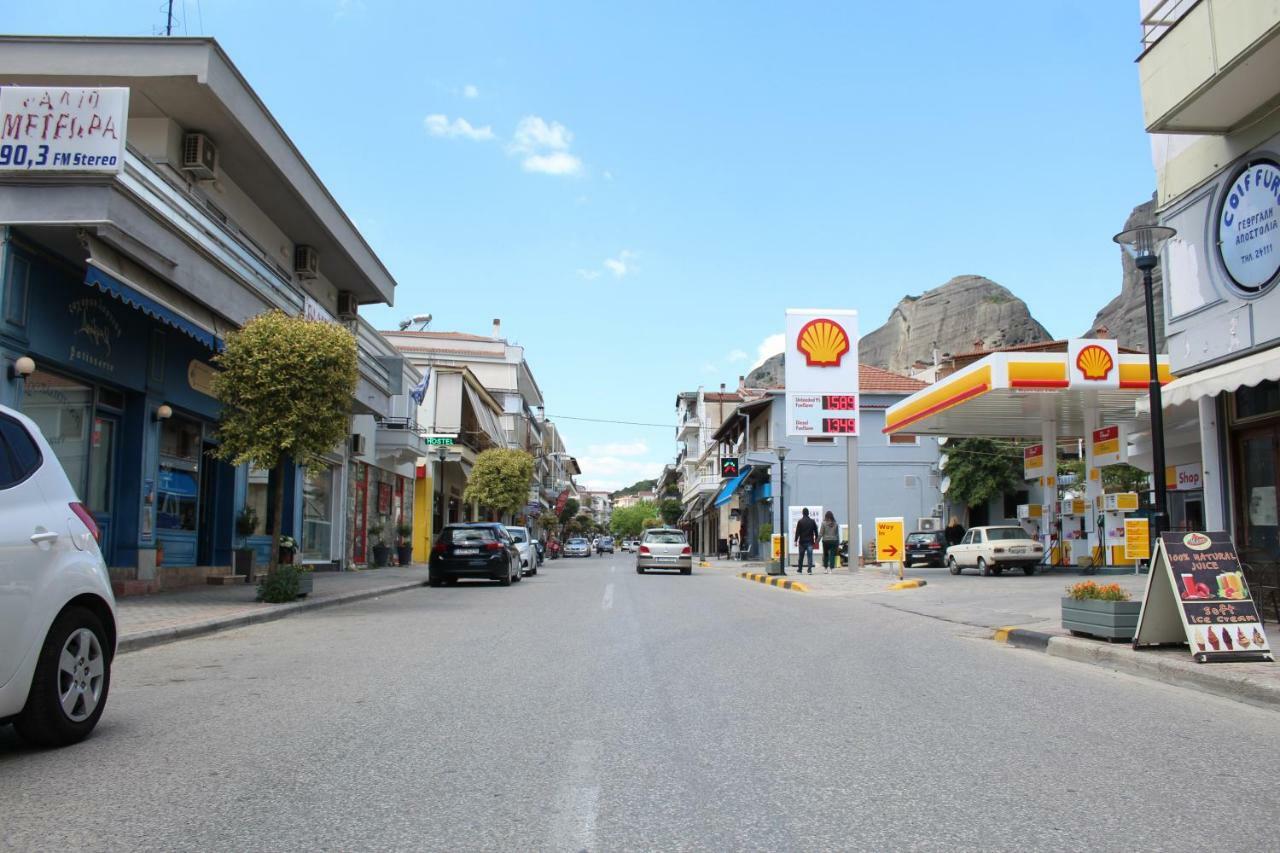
(1124, 318)
(951, 319)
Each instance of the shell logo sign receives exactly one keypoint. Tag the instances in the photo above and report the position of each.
(824, 342)
(1094, 362)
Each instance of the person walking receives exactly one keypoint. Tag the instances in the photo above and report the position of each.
(830, 535)
(806, 538)
(954, 532)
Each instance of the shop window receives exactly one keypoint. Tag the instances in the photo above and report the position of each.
(63, 409)
(1013, 501)
(15, 296)
(256, 498)
(1261, 399)
(178, 490)
(317, 514)
(102, 463)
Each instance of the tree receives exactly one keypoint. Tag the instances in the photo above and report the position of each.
(670, 509)
(500, 479)
(570, 510)
(1125, 478)
(285, 385)
(981, 468)
(629, 521)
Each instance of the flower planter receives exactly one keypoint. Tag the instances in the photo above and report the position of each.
(306, 583)
(380, 555)
(1108, 620)
(404, 554)
(243, 563)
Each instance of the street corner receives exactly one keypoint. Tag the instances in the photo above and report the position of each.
(772, 580)
(1022, 637)
(914, 583)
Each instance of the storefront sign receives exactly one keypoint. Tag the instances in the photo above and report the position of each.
(729, 466)
(1137, 539)
(1247, 226)
(1183, 478)
(439, 440)
(1110, 446)
(314, 311)
(889, 540)
(62, 129)
(1033, 462)
(1093, 363)
(200, 377)
(95, 334)
(822, 372)
(561, 501)
(1196, 591)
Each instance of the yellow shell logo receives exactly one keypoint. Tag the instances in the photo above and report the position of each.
(823, 342)
(1094, 362)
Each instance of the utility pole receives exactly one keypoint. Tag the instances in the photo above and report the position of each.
(168, 25)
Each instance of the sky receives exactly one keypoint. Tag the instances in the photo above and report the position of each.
(639, 191)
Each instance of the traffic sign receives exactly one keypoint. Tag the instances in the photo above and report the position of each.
(889, 540)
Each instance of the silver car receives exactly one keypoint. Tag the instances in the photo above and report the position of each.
(577, 547)
(664, 548)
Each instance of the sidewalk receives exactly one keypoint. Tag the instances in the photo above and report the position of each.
(149, 620)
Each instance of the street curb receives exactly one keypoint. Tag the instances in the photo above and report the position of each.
(1122, 658)
(160, 636)
(782, 583)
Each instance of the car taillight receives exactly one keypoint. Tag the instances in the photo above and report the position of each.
(493, 546)
(644, 549)
(934, 545)
(82, 513)
(440, 548)
(686, 550)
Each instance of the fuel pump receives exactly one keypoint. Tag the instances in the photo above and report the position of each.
(1112, 509)
(1075, 538)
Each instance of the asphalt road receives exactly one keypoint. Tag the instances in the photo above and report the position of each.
(590, 708)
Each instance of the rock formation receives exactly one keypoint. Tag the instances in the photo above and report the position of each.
(1124, 318)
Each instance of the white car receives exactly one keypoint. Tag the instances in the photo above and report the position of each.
(524, 544)
(991, 550)
(57, 612)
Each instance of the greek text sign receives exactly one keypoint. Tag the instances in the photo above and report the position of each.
(62, 129)
(1137, 539)
(1247, 226)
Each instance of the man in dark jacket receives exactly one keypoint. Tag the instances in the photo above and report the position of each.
(806, 538)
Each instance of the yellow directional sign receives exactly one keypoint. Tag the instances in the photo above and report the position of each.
(1137, 539)
(889, 540)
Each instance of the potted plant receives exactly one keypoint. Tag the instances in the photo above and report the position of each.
(1094, 610)
(380, 551)
(246, 525)
(404, 548)
(288, 549)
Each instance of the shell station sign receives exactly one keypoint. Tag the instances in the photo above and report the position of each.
(822, 371)
(1093, 363)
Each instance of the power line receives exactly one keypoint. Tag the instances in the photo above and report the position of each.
(609, 421)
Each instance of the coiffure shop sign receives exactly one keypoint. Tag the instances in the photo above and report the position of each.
(1249, 226)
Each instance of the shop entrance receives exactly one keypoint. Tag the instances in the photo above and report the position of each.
(1258, 516)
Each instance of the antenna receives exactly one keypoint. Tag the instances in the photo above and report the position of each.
(168, 26)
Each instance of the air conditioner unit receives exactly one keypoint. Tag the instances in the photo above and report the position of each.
(937, 510)
(347, 305)
(928, 523)
(357, 444)
(306, 261)
(199, 156)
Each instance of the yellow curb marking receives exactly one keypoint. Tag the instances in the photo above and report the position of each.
(782, 583)
(1002, 634)
(913, 584)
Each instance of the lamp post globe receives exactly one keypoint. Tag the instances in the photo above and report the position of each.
(1144, 244)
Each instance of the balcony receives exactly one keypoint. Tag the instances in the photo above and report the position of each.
(398, 441)
(1208, 66)
(688, 428)
(700, 485)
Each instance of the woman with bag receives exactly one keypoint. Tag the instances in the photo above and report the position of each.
(830, 535)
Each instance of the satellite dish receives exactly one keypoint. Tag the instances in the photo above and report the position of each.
(942, 462)
(946, 484)
(942, 439)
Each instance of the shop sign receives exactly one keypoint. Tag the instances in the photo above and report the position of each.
(1093, 363)
(1033, 462)
(62, 129)
(822, 371)
(439, 440)
(200, 377)
(1137, 539)
(561, 501)
(1247, 226)
(1110, 446)
(889, 540)
(314, 311)
(728, 466)
(1183, 478)
(1197, 593)
(96, 334)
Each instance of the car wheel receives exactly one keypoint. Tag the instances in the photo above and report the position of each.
(72, 678)
(983, 568)
(953, 565)
(1029, 570)
(997, 571)
(639, 570)
(505, 580)
(434, 580)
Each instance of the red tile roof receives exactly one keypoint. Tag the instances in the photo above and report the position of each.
(718, 397)
(877, 380)
(456, 336)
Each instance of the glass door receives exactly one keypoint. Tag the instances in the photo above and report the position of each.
(1258, 512)
(100, 497)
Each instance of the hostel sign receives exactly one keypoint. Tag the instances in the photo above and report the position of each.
(45, 129)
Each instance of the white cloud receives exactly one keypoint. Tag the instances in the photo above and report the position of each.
(621, 265)
(736, 356)
(470, 91)
(589, 275)
(617, 469)
(770, 346)
(555, 163)
(634, 448)
(440, 125)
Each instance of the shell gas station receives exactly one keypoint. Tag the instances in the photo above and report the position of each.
(1081, 390)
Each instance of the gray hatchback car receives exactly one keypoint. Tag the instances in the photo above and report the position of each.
(664, 548)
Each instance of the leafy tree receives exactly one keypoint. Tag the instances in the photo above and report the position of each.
(286, 385)
(630, 521)
(500, 479)
(982, 468)
(570, 510)
(670, 509)
(1124, 478)
(649, 522)
(635, 488)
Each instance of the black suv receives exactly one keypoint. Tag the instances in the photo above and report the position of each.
(604, 543)
(928, 547)
(484, 551)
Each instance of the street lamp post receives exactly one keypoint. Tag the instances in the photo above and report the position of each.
(782, 503)
(442, 453)
(1143, 245)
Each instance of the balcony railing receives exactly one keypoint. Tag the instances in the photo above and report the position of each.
(1160, 16)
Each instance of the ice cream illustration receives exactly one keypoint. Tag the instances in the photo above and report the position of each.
(1200, 639)
(1226, 639)
(1241, 640)
(1258, 639)
(1213, 640)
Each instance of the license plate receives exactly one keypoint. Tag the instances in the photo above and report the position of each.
(466, 551)
(1017, 550)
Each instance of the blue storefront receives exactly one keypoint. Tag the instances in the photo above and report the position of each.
(121, 390)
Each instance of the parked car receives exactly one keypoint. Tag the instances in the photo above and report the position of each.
(603, 544)
(928, 547)
(528, 554)
(991, 550)
(577, 547)
(485, 550)
(664, 548)
(628, 545)
(57, 611)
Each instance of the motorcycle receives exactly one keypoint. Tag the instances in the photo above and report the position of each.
(553, 549)
(540, 549)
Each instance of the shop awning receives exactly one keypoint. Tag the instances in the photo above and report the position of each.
(726, 494)
(484, 415)
(1241, 373)
(132, 295)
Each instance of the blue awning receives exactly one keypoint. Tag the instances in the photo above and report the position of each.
(114, 287)
(732, 486)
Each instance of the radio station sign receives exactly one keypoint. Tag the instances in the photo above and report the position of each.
(1110, 446)
(62, 129)
(822, 372)
(1247, 226)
